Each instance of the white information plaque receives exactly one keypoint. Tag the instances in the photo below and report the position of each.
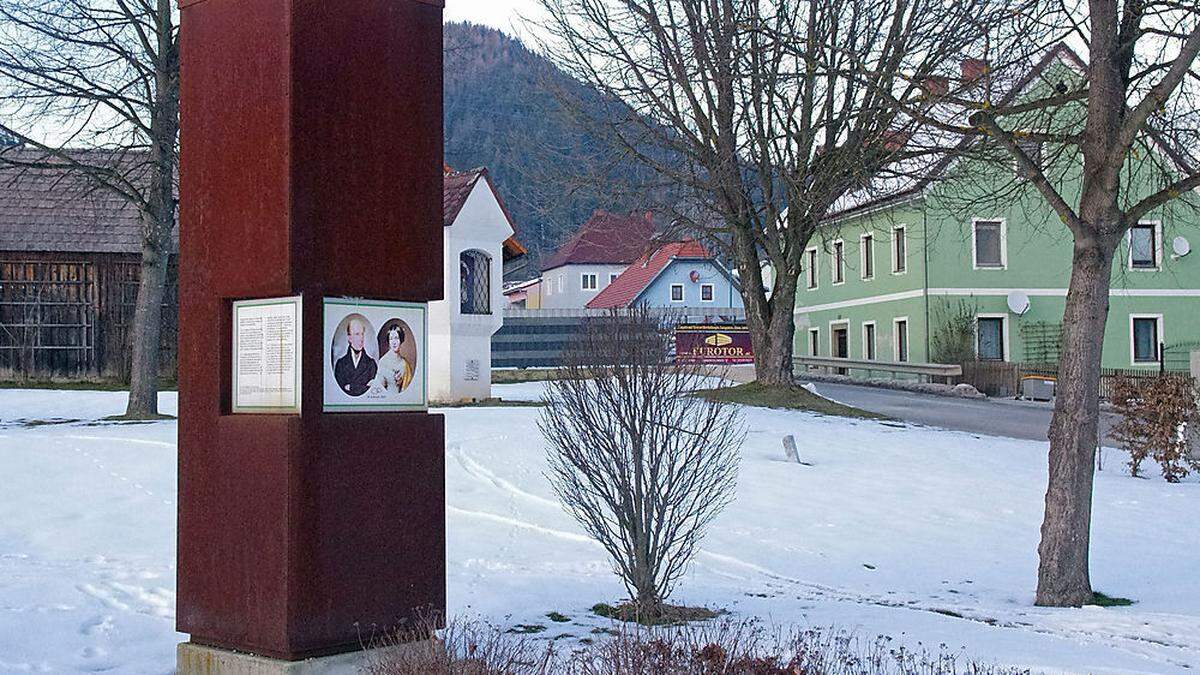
(375, 355)
(266, 355)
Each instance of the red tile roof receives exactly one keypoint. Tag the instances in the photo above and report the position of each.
(629, 285)
(606, 238)
(457, 187)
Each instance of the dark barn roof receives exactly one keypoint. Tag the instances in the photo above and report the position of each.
(61, 210)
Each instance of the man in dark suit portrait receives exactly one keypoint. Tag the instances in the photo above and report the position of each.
(355, 371)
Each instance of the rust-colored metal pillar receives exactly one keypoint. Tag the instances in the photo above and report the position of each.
(311, 165)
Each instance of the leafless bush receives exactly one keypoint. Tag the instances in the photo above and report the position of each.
(462, 648)
(1158, 419)
(727, 647)
(640, 462)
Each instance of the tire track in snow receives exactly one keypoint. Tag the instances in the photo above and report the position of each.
(482, 473)
(523, 524)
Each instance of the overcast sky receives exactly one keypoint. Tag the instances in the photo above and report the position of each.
(502, 14)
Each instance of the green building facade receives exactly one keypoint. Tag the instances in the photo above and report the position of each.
(972, 258)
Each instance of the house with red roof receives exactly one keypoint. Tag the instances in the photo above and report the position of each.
(480, 239)
(593, 258)
(677, 274)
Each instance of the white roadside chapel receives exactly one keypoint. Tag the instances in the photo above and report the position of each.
(479, 238)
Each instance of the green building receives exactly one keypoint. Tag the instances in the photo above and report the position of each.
(967, 259)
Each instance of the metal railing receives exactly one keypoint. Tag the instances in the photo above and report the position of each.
(943, 371)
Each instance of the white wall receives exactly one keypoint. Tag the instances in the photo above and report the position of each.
(572, 295)
(460, 346)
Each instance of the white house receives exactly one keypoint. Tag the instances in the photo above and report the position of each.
(593, 258)
(479, 237)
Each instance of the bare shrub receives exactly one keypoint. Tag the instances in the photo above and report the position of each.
(640, 462)
(953, 339)
(462, 648)
(1158, 420)
(728, 647)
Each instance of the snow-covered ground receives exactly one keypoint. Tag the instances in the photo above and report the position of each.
(923, 534)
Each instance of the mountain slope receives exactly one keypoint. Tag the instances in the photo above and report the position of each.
(501, 112)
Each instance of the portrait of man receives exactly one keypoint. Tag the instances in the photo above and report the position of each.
(356, 370)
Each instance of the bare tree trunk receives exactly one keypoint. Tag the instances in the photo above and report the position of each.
(773, 363)
(159, 223)
(1063, 578)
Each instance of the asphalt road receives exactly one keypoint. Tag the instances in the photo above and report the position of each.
(994, 417)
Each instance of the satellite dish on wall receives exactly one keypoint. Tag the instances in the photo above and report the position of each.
(1018, 303)
(1181, 246)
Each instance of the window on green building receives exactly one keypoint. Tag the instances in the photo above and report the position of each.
(989, 243)
(839, 262)
(901, 346)
(1145, 339)
(899, 250)
(867, 244)
(811, 267)
(869, 341)
(990, 337)
(1143, 246)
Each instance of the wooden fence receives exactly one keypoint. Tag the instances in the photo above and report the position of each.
(1004, 379)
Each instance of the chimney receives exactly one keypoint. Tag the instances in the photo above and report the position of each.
(935, 86)
(973, 70)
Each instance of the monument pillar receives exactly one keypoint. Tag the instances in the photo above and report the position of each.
(311, 171)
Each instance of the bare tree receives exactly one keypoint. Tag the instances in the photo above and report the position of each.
(1134, 98)
(103, 74)
(635, 457)
(768, 113)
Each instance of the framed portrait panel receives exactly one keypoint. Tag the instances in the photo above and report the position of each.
(375, 355)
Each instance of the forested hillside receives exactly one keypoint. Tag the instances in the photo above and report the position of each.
(502, 113)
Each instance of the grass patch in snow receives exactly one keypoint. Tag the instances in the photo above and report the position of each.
(556, 617)
(673, 615)
(1101, 600)
(518, 375)
(527, 628)
(790, 398)
(81, 385)
(125, 419)
(489, 403)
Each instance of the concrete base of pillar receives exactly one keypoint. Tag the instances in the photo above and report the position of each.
(194, 659)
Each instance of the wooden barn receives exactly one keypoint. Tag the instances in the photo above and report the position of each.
(69, 266)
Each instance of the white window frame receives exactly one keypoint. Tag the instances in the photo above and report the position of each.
(896, 339)
(838, 323)
(837, 263)
(682, 294)
(812, 257)
(1158, 247)
(1006, 356)
(895, 268)
(814, 340)
(712, 292)
(612, 276)
(1003, 244)
(1159, 328)
(866, 245)
(875, 333)
(561, 279)
(583, 281)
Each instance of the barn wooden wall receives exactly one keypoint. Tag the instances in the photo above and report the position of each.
(67, 316)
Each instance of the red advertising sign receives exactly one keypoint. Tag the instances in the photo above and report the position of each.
(713, 343)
